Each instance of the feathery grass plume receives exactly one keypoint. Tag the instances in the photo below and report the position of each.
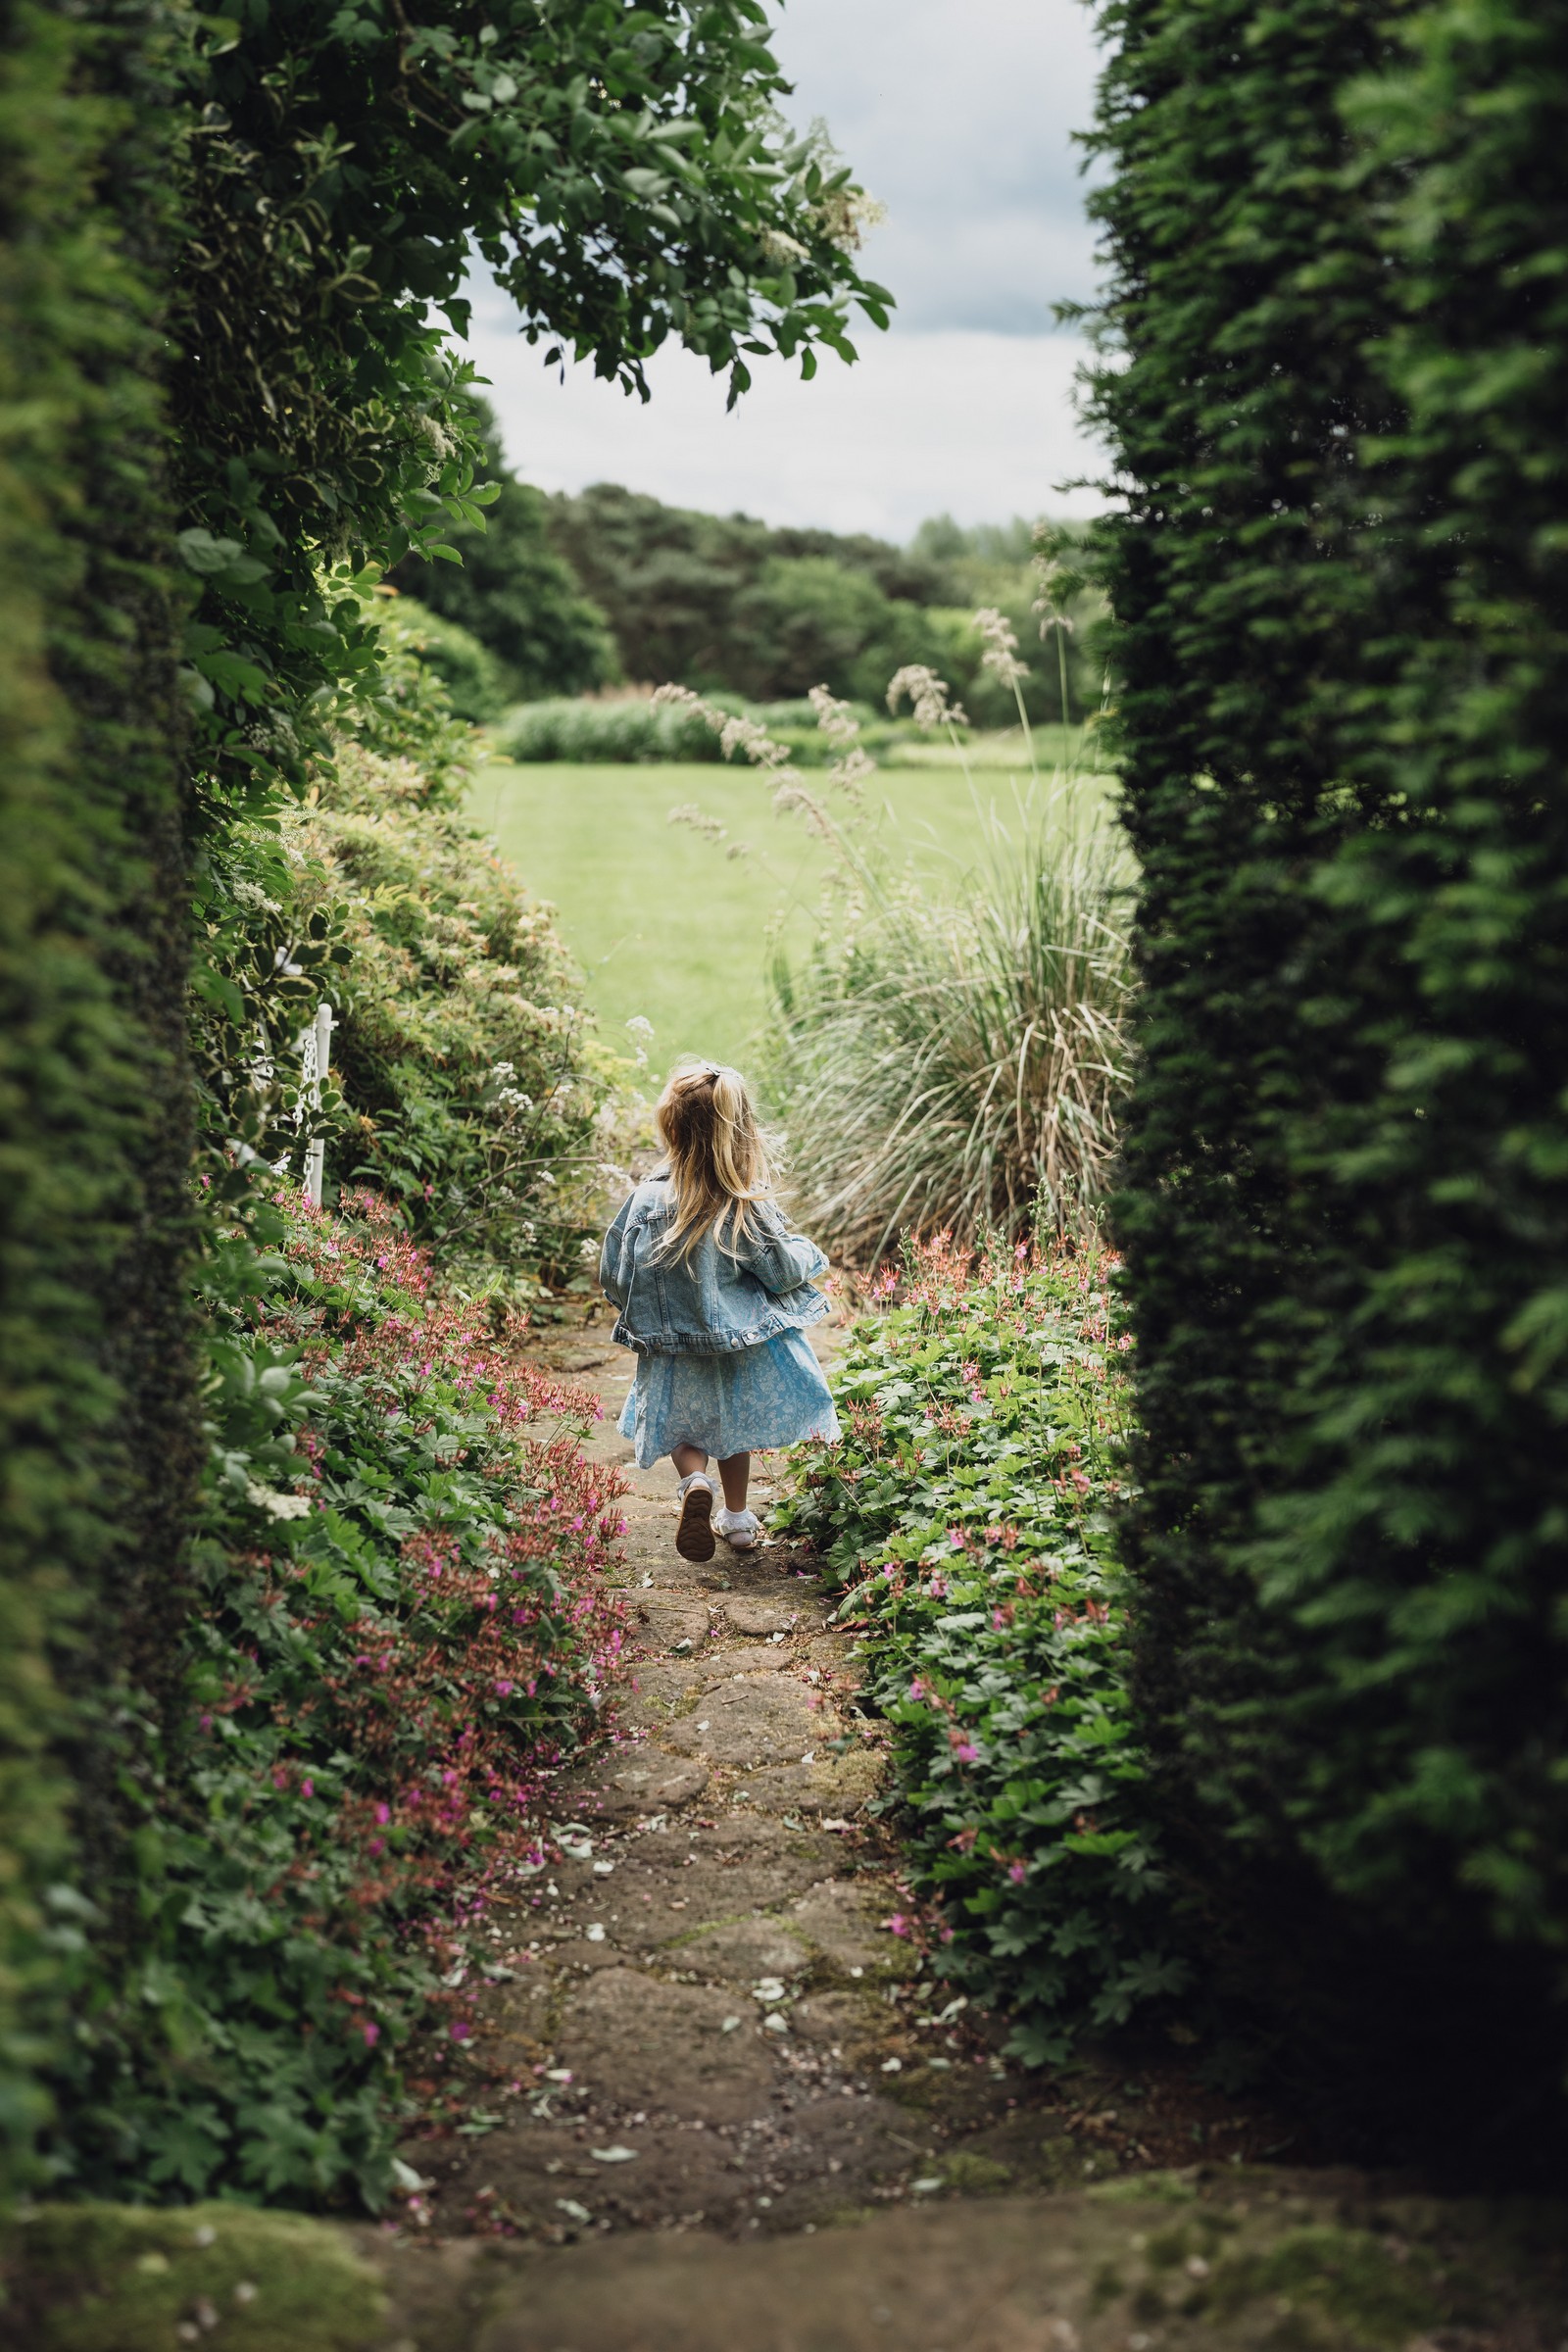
(928, 697)
(1055, 584)
(737, 732)
(950, 1060)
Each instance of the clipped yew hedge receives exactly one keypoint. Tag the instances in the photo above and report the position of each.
(1340, 584)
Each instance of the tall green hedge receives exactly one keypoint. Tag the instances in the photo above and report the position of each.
(1338, 239)
(98, 1432)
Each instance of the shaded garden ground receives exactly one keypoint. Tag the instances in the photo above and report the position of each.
(635, 2159)
(709, 1982)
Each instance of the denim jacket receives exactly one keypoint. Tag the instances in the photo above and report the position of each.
(714, 1300)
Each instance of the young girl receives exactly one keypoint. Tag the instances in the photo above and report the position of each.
(714, 1294)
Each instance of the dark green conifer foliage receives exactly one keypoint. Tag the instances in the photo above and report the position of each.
(98, 1430)
(1338, 242)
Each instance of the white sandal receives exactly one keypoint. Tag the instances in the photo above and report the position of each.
(741, 1531)
(694, 1536)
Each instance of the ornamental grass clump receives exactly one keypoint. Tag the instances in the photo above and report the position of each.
(967, 1509)
(944, 1060)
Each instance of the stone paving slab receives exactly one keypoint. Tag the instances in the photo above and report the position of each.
(709, 1873)
(724, 2125)
(1174, 2262)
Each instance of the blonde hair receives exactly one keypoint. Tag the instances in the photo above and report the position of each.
(718, 1162)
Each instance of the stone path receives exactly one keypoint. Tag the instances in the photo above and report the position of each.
(720, 2111)
(703, 2018)
(727, 2114)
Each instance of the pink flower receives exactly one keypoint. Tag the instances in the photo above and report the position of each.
(964, 1751)
(461, 2030)
(898, 1925)
(372, 2034)
(502, 1690)
(307, 1788)
(1016, 1872)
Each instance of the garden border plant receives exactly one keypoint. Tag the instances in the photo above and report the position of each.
(968, 1513)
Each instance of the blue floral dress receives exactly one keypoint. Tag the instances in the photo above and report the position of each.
(744, 1401)
(722, 1358)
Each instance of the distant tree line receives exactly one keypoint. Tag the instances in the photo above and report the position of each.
(570, 593)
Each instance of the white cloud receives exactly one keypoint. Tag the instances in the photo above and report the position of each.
(977, 425)
(958, 115)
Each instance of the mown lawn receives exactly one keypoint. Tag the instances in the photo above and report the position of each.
(667, 925)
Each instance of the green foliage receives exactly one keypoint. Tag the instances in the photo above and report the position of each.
(475, 682)
(1335, 240)
(516, 595)
(999, 566)
(723, 603)
(89, 2278)
(623, 176)
(98, 1437)
(628, 728)
(470, 1083)
(969, 1509)
(621, 728)
(226, 408)
(397, 1625)
(946, 1054)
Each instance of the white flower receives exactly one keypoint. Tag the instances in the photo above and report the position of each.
(274, 1504)
(779, 248)
(836, 720)
(640, 1026)
(851, 772)
(1051, 577)
(689, 813)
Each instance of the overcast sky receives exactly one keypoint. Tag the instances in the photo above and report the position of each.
(958, 115)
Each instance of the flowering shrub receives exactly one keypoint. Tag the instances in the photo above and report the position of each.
(967, 1510)
(472, 1083)
(400, 1627)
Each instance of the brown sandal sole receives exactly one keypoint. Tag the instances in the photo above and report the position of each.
(694, 1536)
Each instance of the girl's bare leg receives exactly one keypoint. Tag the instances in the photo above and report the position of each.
(689, 1459)
(735, 1473)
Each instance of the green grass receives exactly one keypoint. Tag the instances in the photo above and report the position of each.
(665, 925)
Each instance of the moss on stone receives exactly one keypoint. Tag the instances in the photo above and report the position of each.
(134, 2278)
(1378, 2294)
(974, 2175)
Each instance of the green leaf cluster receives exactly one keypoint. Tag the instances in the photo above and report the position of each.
(392, 1632)
(1340, 579)
(968, 1508)
(472, 1083)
